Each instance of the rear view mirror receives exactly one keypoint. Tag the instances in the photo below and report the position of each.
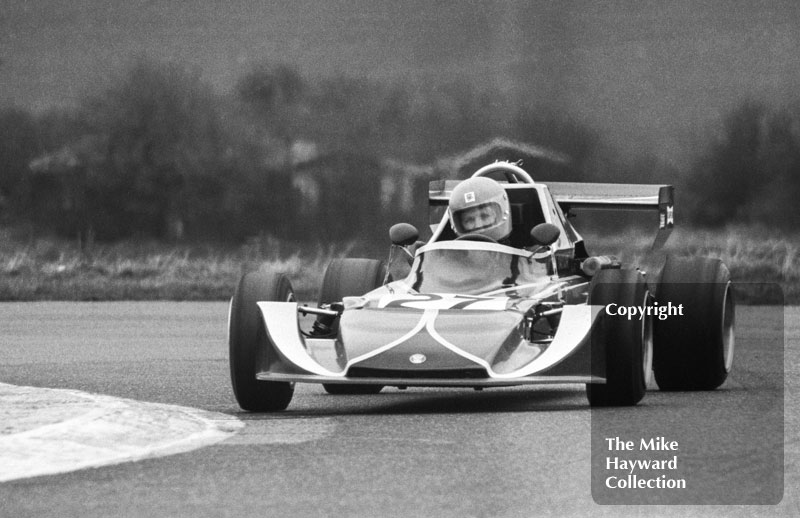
(403, 234)
(545, 234)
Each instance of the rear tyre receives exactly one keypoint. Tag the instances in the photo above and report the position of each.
(351, 278)
(694, 351)
(247, 342)
(628, 343)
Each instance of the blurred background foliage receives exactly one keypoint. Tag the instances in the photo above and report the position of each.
(160, 155)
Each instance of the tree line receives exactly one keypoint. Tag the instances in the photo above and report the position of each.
(159, 154)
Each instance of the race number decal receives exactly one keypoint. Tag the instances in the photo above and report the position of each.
(443, 301)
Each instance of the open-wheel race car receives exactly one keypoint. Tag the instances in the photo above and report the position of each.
(476, 311)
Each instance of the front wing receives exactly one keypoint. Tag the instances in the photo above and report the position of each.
(575, 355)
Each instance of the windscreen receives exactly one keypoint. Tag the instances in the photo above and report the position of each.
(474, 271)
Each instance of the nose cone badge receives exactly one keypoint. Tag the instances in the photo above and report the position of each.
(417, 358)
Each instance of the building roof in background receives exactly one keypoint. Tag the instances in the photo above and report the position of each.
(464, 164)
(84, 151)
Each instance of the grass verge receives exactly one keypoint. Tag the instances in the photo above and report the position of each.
(764, 266)
(56, 270)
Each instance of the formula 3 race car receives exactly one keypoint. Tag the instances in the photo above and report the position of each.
(475, 313)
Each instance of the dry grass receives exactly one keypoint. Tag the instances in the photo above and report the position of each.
(52, 270)
(759, 261)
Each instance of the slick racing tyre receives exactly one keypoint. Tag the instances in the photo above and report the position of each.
(628, 342)
(351, 278)
(694, 349)
(247, 341)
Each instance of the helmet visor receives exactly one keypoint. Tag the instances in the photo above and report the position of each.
(477, 218)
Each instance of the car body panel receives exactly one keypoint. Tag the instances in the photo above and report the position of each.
(381, 344)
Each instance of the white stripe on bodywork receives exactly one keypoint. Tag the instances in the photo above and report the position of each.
(427, 322)
(280, 319)
(443, 301)
(579, 321)
(428, 314)
(439, 338)
(576, 324)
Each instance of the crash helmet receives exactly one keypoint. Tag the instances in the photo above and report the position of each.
(479, 205)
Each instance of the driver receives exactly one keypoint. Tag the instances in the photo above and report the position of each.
(479, 205)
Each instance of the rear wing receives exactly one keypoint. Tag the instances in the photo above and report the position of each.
(619, 196)
(580, 195)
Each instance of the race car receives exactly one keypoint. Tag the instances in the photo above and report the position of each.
(475, 312)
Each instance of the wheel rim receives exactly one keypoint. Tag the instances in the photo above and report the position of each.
(291, 298)
(728, 321)
(230, 312)
(647, 345)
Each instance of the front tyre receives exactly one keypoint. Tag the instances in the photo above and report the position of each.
(694, 350)
(247, 342)
(628, 342)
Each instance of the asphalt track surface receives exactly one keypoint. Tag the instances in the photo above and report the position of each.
(421, 452)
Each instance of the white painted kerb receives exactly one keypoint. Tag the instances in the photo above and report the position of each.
(48, 431)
